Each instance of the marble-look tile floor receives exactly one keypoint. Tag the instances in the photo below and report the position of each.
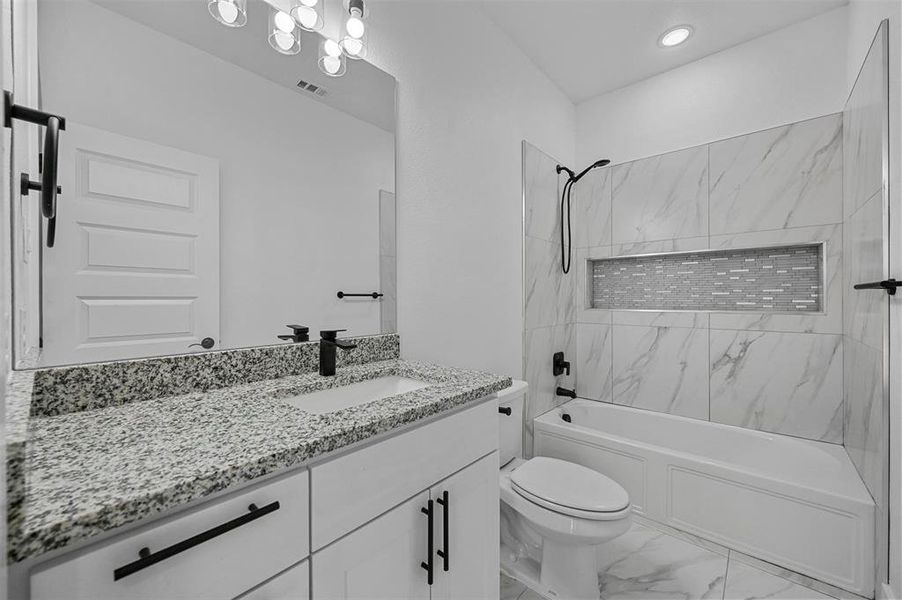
(648, 563)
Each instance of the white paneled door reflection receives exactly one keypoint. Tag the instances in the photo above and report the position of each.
(135, 269)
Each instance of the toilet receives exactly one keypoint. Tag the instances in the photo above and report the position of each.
(554, 513)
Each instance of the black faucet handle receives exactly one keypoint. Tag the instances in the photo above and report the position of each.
(330, 334)
(300, 334)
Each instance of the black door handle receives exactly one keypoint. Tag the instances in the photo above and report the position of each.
(148, 558)
(428, 564)
(505, 410)
(446, 515)
(205, 343)
(52, 124)
(889, 285)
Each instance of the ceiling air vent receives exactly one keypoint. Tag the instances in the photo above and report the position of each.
(312, 88)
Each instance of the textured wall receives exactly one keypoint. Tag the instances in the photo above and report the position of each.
(467, 96)
(774, 372)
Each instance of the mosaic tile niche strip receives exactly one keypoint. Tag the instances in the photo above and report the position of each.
(785, 279)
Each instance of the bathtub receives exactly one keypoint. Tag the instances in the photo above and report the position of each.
(796, 503)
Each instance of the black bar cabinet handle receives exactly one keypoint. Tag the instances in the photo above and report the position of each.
(148, 558)
(889, 285)
(428, 564)
(505, 410)
(373, 295)
(446, 515)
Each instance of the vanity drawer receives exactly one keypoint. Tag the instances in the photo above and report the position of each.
(226, 549)
(355, 488)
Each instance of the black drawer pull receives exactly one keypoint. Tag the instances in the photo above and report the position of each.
(428, 564)
(889, 285)
(147, 558)
(446, 515)
(505, 410)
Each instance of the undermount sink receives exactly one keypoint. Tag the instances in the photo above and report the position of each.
(355, 394)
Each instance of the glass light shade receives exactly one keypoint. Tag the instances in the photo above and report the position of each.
(284, 34)
(308, 14)
(331, 58)
(231, 13)
(353, 41)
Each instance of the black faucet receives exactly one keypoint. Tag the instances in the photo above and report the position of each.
(328, 342)
(301, 334)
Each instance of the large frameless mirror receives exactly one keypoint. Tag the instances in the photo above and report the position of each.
(217, 186)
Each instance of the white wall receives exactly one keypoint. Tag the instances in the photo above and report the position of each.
(467, 97)
(789, 75)
(299, 205)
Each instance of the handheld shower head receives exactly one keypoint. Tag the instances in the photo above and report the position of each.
(597, 164)
(565, 203)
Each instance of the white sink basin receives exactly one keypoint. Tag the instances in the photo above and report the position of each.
(355, 394)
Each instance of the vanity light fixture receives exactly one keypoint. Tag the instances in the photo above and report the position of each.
(331, 58)
(353, 40)
(308, 14)
(284, 34)
(675, 36)
(231, 13)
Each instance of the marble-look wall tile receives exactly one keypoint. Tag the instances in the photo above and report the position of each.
(549, 293)
(789, 176)
(658, 246)
(541, 194)
(661, 368)
(662, 197)
(583, 302)
(388, 304)
(388, 224)
(788, 383)
(864, 130)
(865, 427)
(594, 356)
(591, 202)
(540, 344)
(865, 317)
(830, 321)
(650, 318)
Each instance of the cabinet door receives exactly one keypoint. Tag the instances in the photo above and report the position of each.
(469, 500)
(381, 560)
(293, 584)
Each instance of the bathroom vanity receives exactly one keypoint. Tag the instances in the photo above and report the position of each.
(240, 492)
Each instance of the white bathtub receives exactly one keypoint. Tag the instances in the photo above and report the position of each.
(796, 503)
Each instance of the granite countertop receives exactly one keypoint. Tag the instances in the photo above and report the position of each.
(85, 473)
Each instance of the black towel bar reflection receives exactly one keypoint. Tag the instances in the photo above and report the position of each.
(889, 285)
(373, 295)
(149, 558)
(52, 124)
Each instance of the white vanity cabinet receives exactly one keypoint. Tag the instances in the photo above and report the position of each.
(355, 525)
(221, 549)
(388, 558)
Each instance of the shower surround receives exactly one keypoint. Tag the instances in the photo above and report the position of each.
(763, 370)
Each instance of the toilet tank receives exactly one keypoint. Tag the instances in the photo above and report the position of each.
(510, 427)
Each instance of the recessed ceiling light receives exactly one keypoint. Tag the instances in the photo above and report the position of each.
(675, 36)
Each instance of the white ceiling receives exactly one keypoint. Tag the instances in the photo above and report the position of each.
(589, 47)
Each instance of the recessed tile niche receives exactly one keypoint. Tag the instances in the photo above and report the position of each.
(784, 279)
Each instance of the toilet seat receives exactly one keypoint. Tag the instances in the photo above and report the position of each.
(568, 488)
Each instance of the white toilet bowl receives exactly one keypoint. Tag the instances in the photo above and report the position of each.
(557, 533)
